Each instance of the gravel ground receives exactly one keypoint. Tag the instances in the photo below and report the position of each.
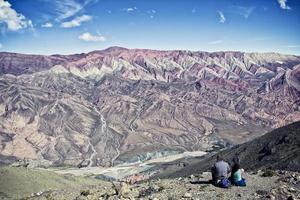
(282, 185)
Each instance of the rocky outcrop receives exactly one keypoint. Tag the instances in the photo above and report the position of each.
(276, 150)
(194, 187)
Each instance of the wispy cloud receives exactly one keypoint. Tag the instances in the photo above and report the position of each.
(47, 25)
(13, 20)
(76, 22)
(243, 11)
(130, 9)
(222, 18)
(283, 5)
(151, 13)
(293, 46)
(64, 9)
(91, 38)
(67, 8)
(148, 13)
(215, 42)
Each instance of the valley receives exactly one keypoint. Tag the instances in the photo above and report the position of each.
(149, 100)
(119, 105)
(271, 164)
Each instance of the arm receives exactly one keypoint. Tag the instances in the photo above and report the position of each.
(228, 169)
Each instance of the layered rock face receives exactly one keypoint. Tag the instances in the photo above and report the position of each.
(115, 105)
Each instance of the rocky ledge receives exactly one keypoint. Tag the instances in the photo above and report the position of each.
(260, 185)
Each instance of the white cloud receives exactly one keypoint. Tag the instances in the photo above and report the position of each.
(222, 18)
(248, 11)
(14, 21)
(243, 11)
(151, 11)
(131, 9)
(216, 42)
(1, 46)
(91, 38)
(283, 5)
(67, 8)
(76, 22)
(47, 25)
(63, 9)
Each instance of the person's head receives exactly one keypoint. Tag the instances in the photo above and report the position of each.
(219, 158)
(235, 167)
(236, 159)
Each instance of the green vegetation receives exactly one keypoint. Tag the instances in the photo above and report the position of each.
(19, 182)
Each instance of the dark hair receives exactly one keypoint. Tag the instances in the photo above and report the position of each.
(236, 159)
(219, 158)
(235, 167)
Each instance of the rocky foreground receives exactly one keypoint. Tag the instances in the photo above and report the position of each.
(271, 163)
(260, 185)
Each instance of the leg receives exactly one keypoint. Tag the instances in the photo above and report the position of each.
(213, 174)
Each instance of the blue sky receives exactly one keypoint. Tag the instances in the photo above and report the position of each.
(75, 26)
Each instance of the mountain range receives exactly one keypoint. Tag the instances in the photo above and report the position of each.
(124, 105)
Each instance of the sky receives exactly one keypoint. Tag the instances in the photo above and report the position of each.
(76, 26)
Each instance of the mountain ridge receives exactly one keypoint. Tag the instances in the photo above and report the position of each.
(150, 49)
(124, 103)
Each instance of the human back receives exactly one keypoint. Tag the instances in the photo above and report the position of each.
(222, 169)
(220, 172)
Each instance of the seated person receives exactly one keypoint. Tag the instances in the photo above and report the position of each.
(236, 175)
(220, 172)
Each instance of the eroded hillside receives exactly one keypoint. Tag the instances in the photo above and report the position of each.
(115, 105)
